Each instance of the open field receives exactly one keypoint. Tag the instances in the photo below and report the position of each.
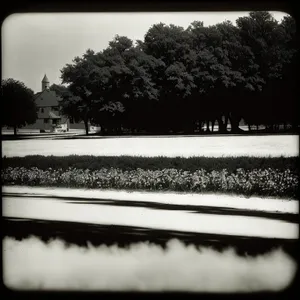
(259, 146)
(266, 204)
(36, 206)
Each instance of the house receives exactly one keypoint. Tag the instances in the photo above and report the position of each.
(49, 114)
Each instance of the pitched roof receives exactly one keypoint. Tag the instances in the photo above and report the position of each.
(46, 98)
(36, 95)
(45, 79)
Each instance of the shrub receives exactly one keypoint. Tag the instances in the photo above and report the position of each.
(262, 182)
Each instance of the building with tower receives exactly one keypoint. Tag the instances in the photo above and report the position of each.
(49, 114)
(45, 83)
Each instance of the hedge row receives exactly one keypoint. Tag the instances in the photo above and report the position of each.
(260, 182)
(127, 163)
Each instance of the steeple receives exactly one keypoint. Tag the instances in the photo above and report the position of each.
(45, 83)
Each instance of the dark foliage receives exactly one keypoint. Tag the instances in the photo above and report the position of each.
(127, 163)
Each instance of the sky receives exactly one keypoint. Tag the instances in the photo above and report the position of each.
(35, 44)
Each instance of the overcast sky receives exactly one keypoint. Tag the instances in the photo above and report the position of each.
(38, 44)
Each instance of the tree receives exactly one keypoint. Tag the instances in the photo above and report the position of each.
(211, 71)
(178, 78)
(285, 86)
(68, 102)
(246, 78)
(59, 89)
(262, 34)
(275, 48)
(141, 94)
(170, 45)
(18, 104)
(79, 100)
(122, 85)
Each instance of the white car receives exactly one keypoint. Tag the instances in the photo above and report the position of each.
(60, 128)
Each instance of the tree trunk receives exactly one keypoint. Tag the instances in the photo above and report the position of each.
(213, 125)
(86, 125)
(201, 123)
(207, 126)
(226, 121)
(295, 127)
(271, 127)
(234, 124)
(15, 130)
(222, 127)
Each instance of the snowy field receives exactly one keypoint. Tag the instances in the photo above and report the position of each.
(275, 146)
(51, 209)
(266, 204)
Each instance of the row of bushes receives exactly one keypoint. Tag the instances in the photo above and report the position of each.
(127, 163)
(261, 182)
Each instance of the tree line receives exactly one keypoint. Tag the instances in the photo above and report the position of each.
(176, 79)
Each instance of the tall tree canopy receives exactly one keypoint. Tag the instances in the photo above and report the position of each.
(18, 106)
(177, 79)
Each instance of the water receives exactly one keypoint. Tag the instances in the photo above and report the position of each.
(34, 265)
(31, 264)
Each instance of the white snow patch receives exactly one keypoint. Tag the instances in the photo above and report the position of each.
(41, 208)
(276, 145)
(266, 204)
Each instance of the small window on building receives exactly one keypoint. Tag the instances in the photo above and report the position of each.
(42, 110)
(46, 121)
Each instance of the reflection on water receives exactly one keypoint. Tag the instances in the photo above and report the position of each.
(32, 264)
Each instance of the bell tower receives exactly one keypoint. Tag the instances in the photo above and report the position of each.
(45, 83)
